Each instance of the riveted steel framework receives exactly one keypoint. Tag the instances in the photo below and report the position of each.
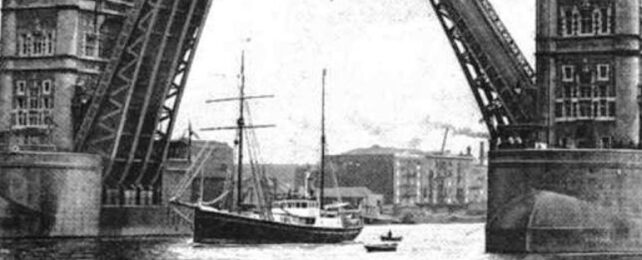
(131, 117)
(500, 101)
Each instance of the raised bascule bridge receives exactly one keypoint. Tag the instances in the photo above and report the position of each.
(89, 91)
(565, 171)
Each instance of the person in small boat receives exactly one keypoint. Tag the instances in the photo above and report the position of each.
(389, 233)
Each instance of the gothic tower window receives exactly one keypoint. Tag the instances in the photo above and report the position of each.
(611, 109)
(36, 43)
(585, 109)
(575, 21)
(606, 20)
(91, 44)
(587, 94)
(585, 19)
(24, 45)
(38, 46)
(48, 43)
(568, 73)
(21, 87)
(33, 103)
(587, 22)
(566, 23)
(597, 21)
(603, 71)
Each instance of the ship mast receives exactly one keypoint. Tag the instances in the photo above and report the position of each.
(322, 167)
(240, 124)
(237, 197)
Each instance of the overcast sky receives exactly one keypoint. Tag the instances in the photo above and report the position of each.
(393, 79)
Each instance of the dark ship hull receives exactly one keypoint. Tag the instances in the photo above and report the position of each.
(387, 247)
(214, 227)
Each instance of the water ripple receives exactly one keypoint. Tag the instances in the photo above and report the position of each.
(427, 241)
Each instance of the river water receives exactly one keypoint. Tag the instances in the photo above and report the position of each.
(425, 241)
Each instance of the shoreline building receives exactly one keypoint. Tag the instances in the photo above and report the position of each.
(407, 178)
(446, 185)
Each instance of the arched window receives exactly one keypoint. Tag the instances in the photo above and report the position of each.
(575, 21)
(90, 44)
(597, 21)
(38, 44)
(24, 45)
(568, 23)
(606, 20)
(49, 43)
(587, 21)
(564, 22)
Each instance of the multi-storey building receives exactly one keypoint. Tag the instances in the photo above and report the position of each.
(388, 171)
(446, 184)
(477, 183)
(588, 62)
(52, 53)
(406, 178)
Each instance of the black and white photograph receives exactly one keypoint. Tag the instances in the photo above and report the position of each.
(321, 129)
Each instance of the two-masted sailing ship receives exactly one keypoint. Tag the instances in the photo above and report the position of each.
(302, 220)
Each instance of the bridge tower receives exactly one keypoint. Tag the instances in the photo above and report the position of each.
(89, 94)
(52, 52)
(580, 192)
(588, 64)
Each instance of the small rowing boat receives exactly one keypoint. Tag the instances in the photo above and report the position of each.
(382, 247)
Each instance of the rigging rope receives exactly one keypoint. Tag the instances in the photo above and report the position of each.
(258, 172)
